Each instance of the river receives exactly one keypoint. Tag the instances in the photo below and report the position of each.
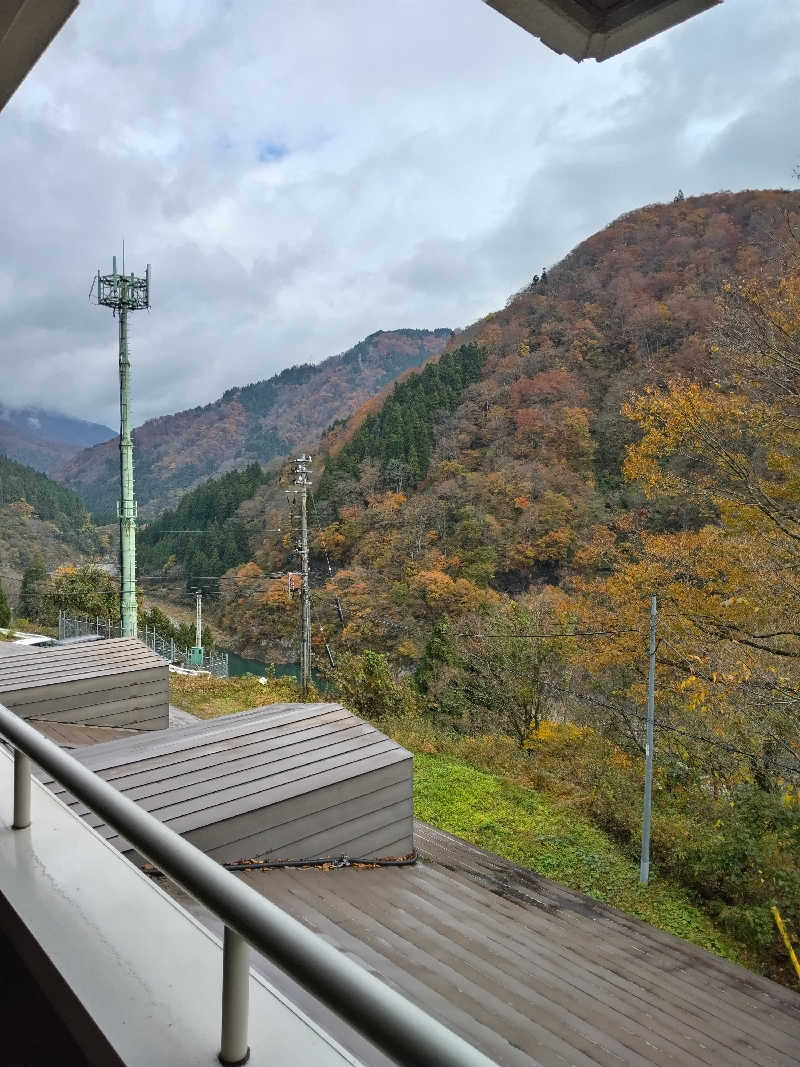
(238, 665)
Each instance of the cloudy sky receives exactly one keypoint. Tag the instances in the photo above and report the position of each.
(303, 172)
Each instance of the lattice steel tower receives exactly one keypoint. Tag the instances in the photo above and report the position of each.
(124, 293)
(302, 482)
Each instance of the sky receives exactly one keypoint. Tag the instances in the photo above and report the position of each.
(302, 173)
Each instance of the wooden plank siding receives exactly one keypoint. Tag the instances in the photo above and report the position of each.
(114, 683)
(289, 781)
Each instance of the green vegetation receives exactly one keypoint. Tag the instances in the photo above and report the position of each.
(5, 610)
(36, 496)
(85, 590)
(183, 633)
(28, 626)
(400, 437)
(34, 580)
(222, 542)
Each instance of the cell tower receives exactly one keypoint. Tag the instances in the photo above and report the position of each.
(302, 481)
(124, 293)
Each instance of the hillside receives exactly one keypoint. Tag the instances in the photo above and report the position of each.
(615, 456)
(39, 518)
(44, 439)
(218, 539)
(425, 512)
(256, 423)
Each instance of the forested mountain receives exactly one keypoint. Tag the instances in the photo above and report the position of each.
(40, 519)
(256, 423)
(202, 536)
(400, 436)
(433, 508)
(485, 562)
(44, 439)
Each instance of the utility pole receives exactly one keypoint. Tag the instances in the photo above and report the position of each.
(124, 293)
(302, 482)
(644, 867)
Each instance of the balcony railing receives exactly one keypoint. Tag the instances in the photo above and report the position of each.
(395, 1025)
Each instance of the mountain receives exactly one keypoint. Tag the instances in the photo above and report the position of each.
(255, 423)
(40, 518)
(465, 487)
(45, 439)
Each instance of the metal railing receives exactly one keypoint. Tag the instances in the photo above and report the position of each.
(395, 1025)
(85, 625)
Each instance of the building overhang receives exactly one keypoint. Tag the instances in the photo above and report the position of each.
(26, 29)
(597, 29)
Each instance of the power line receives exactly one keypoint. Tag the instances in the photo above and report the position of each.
(319, 531)
(553, 636)
(669, 727)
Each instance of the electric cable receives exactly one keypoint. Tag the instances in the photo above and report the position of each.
(334, 862)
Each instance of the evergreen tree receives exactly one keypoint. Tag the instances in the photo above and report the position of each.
(217, 541)
(402, 432)
(32, 590)
(5, 610)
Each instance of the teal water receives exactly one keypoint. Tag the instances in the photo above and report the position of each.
(238, 665)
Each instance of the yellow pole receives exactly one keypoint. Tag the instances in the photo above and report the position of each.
(792, 955)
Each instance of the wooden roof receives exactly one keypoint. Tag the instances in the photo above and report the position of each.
(223, 773)
(528, 971)
(69, 663)
(9, 649)
(71, 735)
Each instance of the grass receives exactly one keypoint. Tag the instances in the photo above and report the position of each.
(22, 625)
(207, 697)
(533, 831)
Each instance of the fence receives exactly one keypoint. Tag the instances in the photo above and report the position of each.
(85, 625)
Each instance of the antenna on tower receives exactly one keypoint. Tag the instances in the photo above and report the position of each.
(123, 294)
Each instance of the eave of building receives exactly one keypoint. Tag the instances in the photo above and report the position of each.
(26, 29)
(597, 29)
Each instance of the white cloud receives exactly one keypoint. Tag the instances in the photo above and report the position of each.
(303, 172)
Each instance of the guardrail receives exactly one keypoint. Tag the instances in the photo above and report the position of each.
(395, 1025)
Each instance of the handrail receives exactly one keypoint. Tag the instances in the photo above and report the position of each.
(395, 1025)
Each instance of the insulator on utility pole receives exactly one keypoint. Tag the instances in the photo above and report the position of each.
(124, 293)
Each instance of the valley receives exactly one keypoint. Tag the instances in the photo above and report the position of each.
(488, 529)
(256, 423)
